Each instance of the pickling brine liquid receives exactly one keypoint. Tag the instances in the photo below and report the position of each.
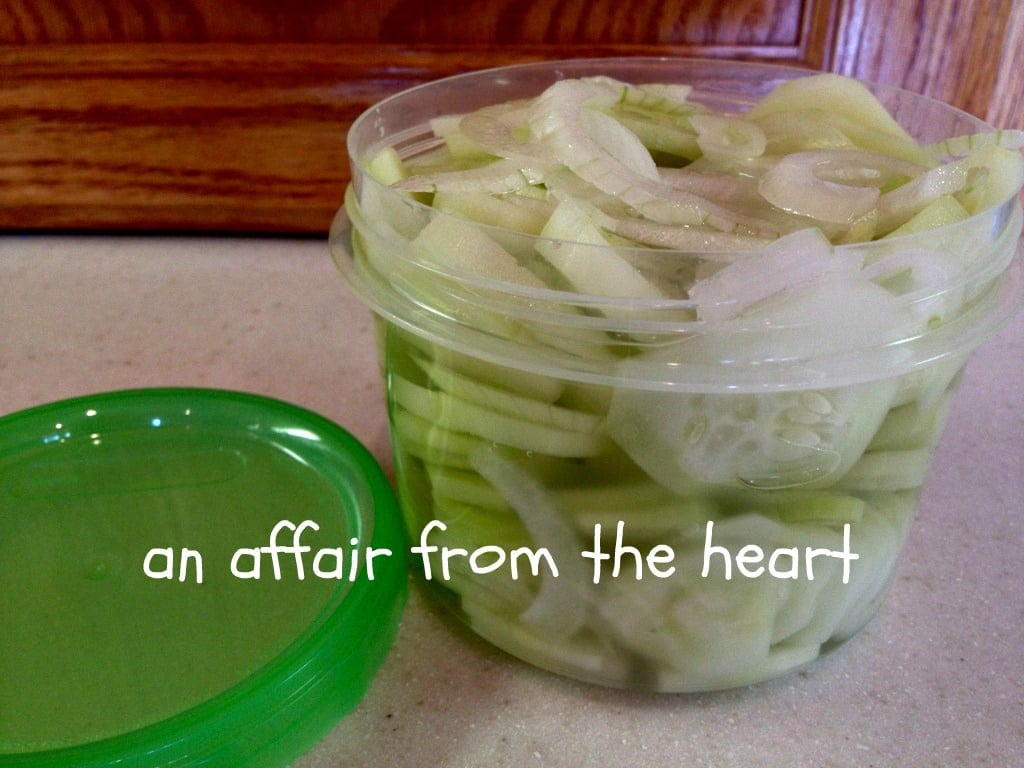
(606, 478)
(669, 347)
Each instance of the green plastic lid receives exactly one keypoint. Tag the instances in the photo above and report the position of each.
(185, 579)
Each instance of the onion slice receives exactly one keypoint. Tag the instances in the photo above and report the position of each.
(796, 259)
(561, 605)
(728, 138)
(902, 203)
(556, 120)
(833, 186)
(501, 130)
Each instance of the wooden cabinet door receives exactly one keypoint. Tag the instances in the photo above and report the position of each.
(230, 115)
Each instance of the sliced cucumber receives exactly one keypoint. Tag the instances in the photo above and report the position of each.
(878, 542)
(647, 526)
(459, 415)
(759, 440)
(460, 146)
(863, 118)
(889, 470)
(840, 310)
(459, 246)
(387, 166)
(796, 506)
(566, 242)
(619, 142)
(898, 207)
(795, 260)
(469, 528)
(940, 212)
(665, 136)
(464, 487)
(801, 130)
(1000, 172)
(518, 212)
(926, 386)
(431, 443)
(585, 657)
(503, 401)
(707, 631)
(912, 426)
(418, 352)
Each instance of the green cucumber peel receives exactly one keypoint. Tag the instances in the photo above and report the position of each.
(503, 401)
(461, 416)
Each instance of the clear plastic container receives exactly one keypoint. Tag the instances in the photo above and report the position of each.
(619, 491)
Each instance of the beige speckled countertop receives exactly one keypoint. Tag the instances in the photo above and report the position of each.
(937, 679)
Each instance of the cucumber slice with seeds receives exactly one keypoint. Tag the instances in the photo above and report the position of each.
(757, 440)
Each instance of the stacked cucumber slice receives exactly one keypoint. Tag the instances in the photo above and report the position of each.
(533, 262)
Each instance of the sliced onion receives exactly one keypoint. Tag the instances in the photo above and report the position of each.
(932, 281)
(834, 186)
(685, 238)
(793, 260)
(561, 605)
(501, 130)
(556, 120)
(717, 186)
(668, 97)
(897, 206)
(793, 186)
(619, 142)
(728, 138)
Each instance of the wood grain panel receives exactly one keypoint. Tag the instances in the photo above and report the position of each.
(1006, 108)
(232, 137)
(952, 50)
(231, 114)
(573, 22)
(243, 136)
(716, 22)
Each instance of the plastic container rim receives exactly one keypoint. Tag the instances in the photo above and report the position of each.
(998, 220)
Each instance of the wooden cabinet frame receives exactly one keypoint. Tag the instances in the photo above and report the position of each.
(168, 122)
